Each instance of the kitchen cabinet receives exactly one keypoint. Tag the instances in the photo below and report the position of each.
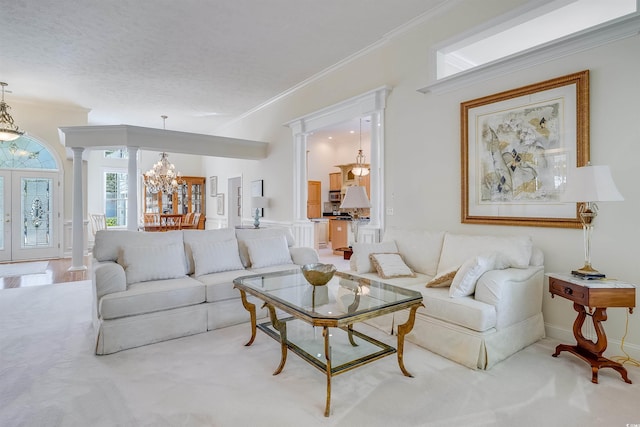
(335, 181)
(338, 230)
(188, 198)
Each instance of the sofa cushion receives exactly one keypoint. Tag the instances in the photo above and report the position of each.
(219, 286)
(143, 263)
(465, 311)
(390, 265)
(148, 297)
(244, 234)
(215, 256)
(464, 282)
(360, 261)
(512, 251)
(192, 237)
(420, 249)
(109, 242)
(267, 251)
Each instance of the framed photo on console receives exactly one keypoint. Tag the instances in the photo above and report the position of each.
(517, 149)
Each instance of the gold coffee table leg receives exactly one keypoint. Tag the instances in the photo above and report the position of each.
(251, 308)
(403, 330)
(327, 355)
(281, 327)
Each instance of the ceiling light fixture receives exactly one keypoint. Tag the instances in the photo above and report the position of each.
(360, 168)
(8, 130)
(163, 177)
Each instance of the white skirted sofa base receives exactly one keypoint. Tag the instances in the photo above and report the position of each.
(151, 287)
(484, 300)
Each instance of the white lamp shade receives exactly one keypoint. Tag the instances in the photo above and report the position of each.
(591, 184)
(259, 202)
(355, 198)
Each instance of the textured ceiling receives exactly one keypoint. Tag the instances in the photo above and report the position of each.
(201, 62)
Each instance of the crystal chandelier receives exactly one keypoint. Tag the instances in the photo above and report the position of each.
(8, 130)
(360, 169)
(163, 176)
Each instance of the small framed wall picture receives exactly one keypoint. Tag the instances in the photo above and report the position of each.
(220, 203)
(213, 186)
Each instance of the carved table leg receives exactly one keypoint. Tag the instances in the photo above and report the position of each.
(251, 308)
(281, 327)
(403, 330)
(327, 355)
(589, 351)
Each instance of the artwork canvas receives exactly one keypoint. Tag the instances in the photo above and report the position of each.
(220, 203)
(213, 186)
(518, 148)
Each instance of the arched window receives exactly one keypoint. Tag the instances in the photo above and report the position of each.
(26, 153)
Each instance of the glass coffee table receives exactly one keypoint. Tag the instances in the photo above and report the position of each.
(307, 312)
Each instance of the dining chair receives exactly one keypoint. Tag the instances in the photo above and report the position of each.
(170, 222)
(98, 222)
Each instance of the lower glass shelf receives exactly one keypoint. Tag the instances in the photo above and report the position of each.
(307, 342)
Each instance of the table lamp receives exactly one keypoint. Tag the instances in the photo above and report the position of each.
(258, 203)
(355, 199)
(588, 185)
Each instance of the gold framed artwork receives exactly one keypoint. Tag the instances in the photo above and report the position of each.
(517, 148)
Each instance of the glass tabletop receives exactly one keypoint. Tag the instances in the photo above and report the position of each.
(344, 297)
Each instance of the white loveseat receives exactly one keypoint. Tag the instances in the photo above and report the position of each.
(150, 287)
(495, 307)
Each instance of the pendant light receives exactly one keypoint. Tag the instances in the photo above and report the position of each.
(8, 130)
(360, 169)
(163, 176)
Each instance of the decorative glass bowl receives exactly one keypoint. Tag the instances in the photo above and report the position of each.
(318, 274)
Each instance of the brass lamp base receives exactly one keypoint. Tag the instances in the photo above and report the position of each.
(588, 272)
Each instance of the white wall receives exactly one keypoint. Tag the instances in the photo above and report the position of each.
(422, 140)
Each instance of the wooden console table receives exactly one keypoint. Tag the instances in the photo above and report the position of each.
(598, 294)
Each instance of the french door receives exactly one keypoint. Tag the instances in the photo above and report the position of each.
(29, 224)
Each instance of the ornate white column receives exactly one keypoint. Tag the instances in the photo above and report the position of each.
(77, 220)
(132, 185)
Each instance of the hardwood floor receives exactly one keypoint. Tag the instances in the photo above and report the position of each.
(56, 272)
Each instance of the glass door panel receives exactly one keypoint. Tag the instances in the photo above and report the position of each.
(34, 209)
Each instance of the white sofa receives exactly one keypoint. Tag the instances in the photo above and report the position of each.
(150, 287)
(494, 306)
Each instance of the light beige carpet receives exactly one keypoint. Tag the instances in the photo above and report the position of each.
(50, 377)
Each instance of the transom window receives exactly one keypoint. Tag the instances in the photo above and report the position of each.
(116, 154)
(535, 28)
(26, 153)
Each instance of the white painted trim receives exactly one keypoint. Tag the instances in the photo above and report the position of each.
(370, 103)
(584, 40)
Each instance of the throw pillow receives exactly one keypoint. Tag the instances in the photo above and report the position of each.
(361, 252)
(464, 282)
(391, 265)
(213, 257)
(192, 237)
(157, 262)
(442, 280)
(268, 251)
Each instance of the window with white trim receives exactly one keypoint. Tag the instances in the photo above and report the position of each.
(529, 29)
(115, 198)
